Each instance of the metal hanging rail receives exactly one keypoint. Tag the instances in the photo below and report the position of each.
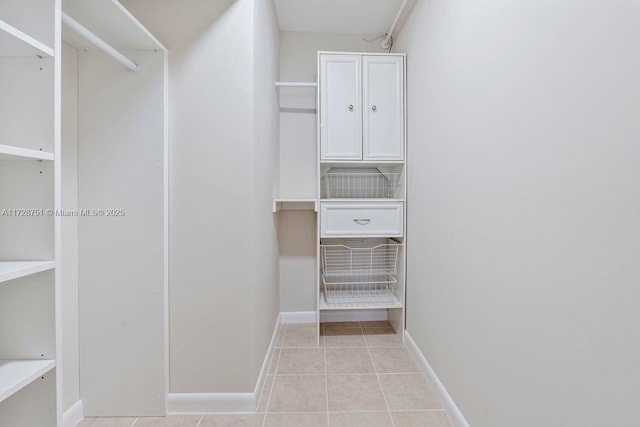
(99, 43)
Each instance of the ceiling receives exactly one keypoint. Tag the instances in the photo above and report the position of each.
(175, 22)
(337, 16)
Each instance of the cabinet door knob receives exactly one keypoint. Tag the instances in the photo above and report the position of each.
(362, 221)
(350, 107)
(374, 108)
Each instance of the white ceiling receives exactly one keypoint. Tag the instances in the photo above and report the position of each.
(175, 22)
(337, 16)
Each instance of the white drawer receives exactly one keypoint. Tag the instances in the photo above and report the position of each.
(361, 219)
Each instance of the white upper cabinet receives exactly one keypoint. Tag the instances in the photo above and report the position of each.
(341, 107)
(361, 107)
(383, 105)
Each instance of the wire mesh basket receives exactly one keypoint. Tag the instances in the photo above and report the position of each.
(356, 272)
(361, 185)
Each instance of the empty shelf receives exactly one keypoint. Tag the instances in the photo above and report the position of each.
(295, 205)
(14, 42)
(10, 152)
(10, 270)
(17, 374)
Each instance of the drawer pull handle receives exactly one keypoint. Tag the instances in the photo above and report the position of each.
(362, 221)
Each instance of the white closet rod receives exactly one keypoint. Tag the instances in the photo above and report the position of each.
(386, 43)
(99, 43)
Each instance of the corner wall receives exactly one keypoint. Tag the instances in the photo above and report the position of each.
(523, 210)
(266, 274)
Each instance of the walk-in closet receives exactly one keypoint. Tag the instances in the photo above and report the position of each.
(319, 213)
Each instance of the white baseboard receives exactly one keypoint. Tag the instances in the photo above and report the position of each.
(450, 406)
(73, 415)
(197, 403)
(353, 315)
(298, 317)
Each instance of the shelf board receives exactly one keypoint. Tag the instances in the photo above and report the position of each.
(362, 163)
(295, 204)
(361, 200)
(9, 152)
(17, 374)
(15, 43)
(10, 270)
(364, 306)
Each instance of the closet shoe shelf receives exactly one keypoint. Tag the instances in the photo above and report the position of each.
(17, 374)
(10, 270)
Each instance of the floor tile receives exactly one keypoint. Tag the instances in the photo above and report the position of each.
(107, 422)
(309, 419)
(408, 392)
(300, 336)
(169, 421)
(340, 325)
(274, 361)
(301, 361)
(264, 396)
(232, 420)
(298, 393)
(342, 331)
(343, 338)
(354, 393)
(393, 360)
(381, 337)
(280, 337)
(348, 361)
(360, 419)
(375, 324)
(301, 328)
(421, 419)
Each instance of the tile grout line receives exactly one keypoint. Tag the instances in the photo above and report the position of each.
(384, 397)
(200, 420)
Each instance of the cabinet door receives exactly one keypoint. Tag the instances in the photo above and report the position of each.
(340, 107)
(383, 104)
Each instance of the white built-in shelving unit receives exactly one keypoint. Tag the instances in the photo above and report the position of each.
(29, 194)
(361, 185)
(295, 96)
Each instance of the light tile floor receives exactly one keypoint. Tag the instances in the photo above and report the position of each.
(360, 374)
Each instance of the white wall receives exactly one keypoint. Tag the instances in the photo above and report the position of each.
(70, 339)
(523, 207)
(298, 159)
(210, 212)
(120, 265)
(223, 162)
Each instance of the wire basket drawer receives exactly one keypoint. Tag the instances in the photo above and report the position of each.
(361, 185)
(359, 272)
